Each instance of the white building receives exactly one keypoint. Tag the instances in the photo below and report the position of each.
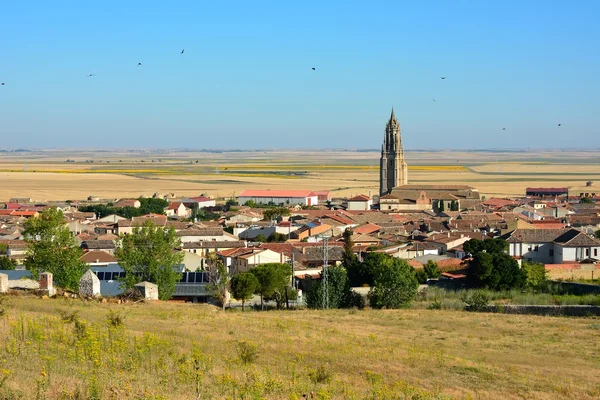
(279, 197)
(552, 246)
(360, 203)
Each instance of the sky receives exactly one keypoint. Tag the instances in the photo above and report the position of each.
(245, 79)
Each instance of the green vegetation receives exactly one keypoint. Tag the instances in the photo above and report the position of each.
(395, 286)
(218, 279)
(429, 271)
(338, 290)
(147, 255)
(53, 249)
(491, 267)
(243, 286)
(273, 282)
(7, 264)
(535, 274)
(148, 205)
(275, 213)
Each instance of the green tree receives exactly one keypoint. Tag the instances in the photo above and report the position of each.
(395, 286)
(272, 277)
(586, 200)
(431, 270)
(496, 271)
(152, 206)
(218, 279)
(52, 248)
(7, 264)
(349, 259)
(597, 234)
(421, 276)
(492, 246)
(535, 274)
(440, 205)
(338, 289)
(147, 255)
(260, 238)
(276, 237)
(274, 213)
(363, 273)
(243, 286)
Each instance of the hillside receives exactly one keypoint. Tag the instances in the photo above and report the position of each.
(174, 351)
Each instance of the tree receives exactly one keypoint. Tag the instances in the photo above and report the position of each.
(440, 205)
(349, 259)
(218, 279)
(272, 278)
(361, 274)
(395, 286)
(535, 274)
(496, 271)
(597, 234)
(260, 238)
(243, 286)
(475, 246)
(7, 264)
(147, 255)
(431, 270)
(52, 248)
(337, 289)
(276, 237)
(274, 213)
(586, 200)
(421, 276)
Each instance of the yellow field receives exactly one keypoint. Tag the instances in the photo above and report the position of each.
(185, 351)
(47, 176)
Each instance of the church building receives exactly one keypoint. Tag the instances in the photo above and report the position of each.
(396, 194)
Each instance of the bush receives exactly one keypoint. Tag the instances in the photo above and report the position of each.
(69, 316)
(421, 276)
(320, 375)
(476, 300)
(247, 352)
(535, 274)
(114, 319)
(435, 305)
(355, 300)
(395, 286)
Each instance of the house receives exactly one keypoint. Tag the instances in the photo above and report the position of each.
(125, 226)
(323, 195)
(200, 202)
(99, 245)
(205, 234)
(418, 249)
(360, 203)
(16, 249)
(203, 248)
(128, 203)
(311, 229)
(178, 209)
(279, 197)
(312, 256)
(552, 246)
(98, 258)
(547, 192)
(400, 202)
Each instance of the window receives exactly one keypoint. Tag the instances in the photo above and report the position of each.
(587, 252)
(595, 252)
(528, 248)
(536, 248)
(100, 275)
(183, 278)
(551, 252)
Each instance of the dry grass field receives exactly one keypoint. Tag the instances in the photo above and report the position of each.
(186, 351)
(45, 175)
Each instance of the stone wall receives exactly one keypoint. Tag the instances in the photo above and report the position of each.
(557, 311)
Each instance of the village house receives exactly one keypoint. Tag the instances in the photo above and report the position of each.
(205, 234)
(128, 203)
(178, 209)
(312, 230)
(204, 248)
(552, 246)
(107, 246)
(98, 258)
(359, 203)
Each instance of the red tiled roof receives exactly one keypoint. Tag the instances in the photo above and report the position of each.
(18, 213)
(453, 276)
(200, 199)
(277, 193)
(12, 206)
(174, 205)
(368, 228)
(547, 189)
(360, 197)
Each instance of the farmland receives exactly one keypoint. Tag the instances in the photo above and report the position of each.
(62, 349)
(46, 175)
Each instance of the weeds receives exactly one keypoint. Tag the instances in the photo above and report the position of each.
(477, 300)
(69, 316)
(247, 352)
(320, 375)
(115, 319)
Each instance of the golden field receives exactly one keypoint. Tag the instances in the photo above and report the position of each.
(188, 351)
(45, 175)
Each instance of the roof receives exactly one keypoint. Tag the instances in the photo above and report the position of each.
(360, 197)
(98, 257)
(200, 199)
(277, 193)
(201, 232)
(213, 244)
(174, 205)
(126, 203)
(547, 189)
(335, 253)
(98, 244)
(367, 228)
(534, 235)
(573, 237)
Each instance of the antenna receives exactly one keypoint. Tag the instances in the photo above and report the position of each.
(325, 280)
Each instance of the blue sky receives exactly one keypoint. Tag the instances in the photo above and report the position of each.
(245, 79)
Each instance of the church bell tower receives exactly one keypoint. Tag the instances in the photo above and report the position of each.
(392, 167)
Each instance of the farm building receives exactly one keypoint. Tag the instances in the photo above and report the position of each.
(283, 197)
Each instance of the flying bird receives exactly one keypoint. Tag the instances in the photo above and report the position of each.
(182, 51)
(433, 99)
(139, 64)
(558, 124)
(503, 129)
(444, 77)
(314, 69)
(90, 75)
(3, 84)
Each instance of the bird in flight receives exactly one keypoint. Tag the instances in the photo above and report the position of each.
(182, 51)
(433, 99)
(558, 124)
(444, 77)
(139, 64)
(90, 75)
(503, 129)
(3, 84)
(314, 69)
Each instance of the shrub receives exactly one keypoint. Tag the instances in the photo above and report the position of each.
(476, 300)
(114, 319)
(320, 375)
(535, 274)
(421, 276)
(69, 316)
(435, 305)
(247, 352)
(395, 286)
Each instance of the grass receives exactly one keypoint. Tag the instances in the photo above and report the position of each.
(184, 351)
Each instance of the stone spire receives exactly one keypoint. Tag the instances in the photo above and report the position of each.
(393, 169)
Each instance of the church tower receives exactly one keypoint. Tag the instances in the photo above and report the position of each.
(392, 167)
